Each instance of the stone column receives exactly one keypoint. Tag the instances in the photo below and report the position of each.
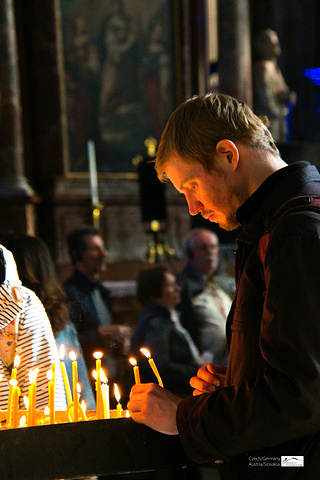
(234, 44)
(16, 196)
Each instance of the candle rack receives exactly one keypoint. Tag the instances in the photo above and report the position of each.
(88, 448)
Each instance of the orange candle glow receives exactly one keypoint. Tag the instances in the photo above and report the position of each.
(22, 422)
(15, 402)
(118, 398)
(83, 409)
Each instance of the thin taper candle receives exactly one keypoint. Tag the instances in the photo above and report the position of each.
(15, 404)
(99, 399)
(152, 365)
(105, 394)
(136, 372)
(93, 173)
(73, 358)
(117, 395)
(65, 375)
(16, 363)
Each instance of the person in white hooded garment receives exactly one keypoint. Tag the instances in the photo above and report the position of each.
(25, 330)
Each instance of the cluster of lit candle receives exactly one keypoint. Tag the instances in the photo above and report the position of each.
(76, 410)
(12, 417)
(151, 363)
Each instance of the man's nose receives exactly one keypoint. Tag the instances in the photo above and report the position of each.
(194, 206)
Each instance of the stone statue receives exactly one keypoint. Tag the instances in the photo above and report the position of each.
(271, 95)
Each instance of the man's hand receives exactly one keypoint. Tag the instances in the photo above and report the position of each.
(155, 407)
(208, 379)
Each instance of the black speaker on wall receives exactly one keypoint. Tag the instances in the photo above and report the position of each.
(152, 193)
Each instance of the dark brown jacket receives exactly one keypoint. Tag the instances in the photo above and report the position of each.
(270, 406)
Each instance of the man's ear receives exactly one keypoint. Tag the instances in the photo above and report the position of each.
(230, 151)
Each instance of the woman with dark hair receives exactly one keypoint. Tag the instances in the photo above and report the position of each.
(160, 331)
(37, 272)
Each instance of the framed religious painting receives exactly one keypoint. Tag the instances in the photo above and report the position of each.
(120, 69)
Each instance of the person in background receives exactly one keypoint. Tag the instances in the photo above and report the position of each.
(25, 331)
(38, 273)
(160, 331)
(90, 304)
(204, 304)
(222, 157)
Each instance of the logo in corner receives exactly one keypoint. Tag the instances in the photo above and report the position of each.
(292, 461)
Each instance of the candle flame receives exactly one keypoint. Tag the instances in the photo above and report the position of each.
(78, 387)
(94, 374)
(16, 361)
(14, 383)
(26, 402)
(23, 421)
(84, 406)
(47, 411)
(72, 356)
(62, 352)
(127, 414)
(145, 352)
(33, 375)
(133, 361)
(98, 355)
(103, 376)
(49, 374)
(117, 393)
(1, 376)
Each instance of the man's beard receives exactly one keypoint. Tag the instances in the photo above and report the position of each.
(229, 224)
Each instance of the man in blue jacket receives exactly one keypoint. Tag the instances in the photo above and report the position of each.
(89, 302)
(263, 413)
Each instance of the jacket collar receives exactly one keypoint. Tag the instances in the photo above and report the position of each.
(257, 211)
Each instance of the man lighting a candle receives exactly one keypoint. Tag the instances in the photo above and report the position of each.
(263, 411)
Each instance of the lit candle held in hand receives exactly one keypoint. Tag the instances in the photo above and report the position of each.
(136, 372)
(152, 365)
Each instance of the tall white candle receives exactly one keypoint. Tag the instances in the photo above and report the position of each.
(93, 173)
